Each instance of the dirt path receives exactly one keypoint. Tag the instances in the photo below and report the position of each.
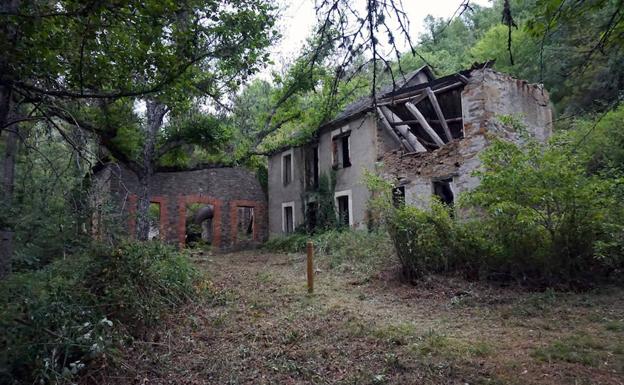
(263, 328)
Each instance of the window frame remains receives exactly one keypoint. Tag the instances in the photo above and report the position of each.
(288, 170)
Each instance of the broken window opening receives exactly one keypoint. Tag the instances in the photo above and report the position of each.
(153, 217)
(343, 210)
(312, 216)
(288, 220)
(340, 150)
(199, 224)
(398, 196)
(244, 223)
(443, 190)
(312, 168)
(287, 169)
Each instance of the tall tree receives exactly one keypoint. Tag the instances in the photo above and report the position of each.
(70, 59)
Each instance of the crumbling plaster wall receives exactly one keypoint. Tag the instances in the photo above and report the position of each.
(487, 96)
(363, 155)
(225, 188)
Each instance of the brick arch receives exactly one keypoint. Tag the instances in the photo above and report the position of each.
(183, 200)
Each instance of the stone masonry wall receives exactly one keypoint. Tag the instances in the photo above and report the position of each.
(225, 188)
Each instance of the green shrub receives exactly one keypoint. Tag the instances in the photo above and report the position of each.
(55, 321)
(340, 248)
(433, 241)
(538, 216)
(421, 239)
(358, 249)
(137, 282)
(293, 243)
(549, 218)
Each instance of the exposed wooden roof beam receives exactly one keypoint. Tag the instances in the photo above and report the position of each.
(417, 95)
(403, 129)
(439, 113)
(388, 127)
(448, 120)
(423, 123)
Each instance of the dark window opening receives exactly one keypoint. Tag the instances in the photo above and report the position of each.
(346, 159)
(312, 168)
(154, 221)
(312, 216)
(244, 223)
(398, 196)
(340, 148)
(286, 169)
(343, 210)
(442, 189)
(289, 225)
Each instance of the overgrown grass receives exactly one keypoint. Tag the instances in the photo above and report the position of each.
(584, 349)
(437, 344)
(342, 249)
(57, 320)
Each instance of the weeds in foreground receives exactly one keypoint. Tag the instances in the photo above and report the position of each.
(437, 344)
(346, 250)
(584, 349)
(57, 320)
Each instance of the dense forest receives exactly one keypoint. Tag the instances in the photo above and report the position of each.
(158, 85)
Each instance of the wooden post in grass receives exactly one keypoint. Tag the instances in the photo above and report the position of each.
(310, 249)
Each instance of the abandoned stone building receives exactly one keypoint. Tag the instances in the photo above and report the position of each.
(224, 207)
(426, 136)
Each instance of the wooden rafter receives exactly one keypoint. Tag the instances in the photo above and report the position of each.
(417, 96)
(423, 123)
(388, 127)
(439, 113)
(403, 129)
(448, 120)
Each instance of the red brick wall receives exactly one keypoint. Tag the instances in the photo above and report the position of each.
(219, 187)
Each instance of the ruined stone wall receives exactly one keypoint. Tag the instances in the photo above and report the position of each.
(225, 188)
(485, 99)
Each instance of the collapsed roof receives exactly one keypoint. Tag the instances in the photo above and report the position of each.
(423, 113)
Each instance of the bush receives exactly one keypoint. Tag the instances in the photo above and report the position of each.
(293, 243)
(422, 239)
(57, 320)
(538, 216)
(433, 241)
(342, 248)
(547, 216)
(139, 281)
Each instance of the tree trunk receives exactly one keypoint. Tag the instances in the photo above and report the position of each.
(8, 180)
(6, 252)
(8, 167)
(5, 106)
(8, 32)
(155, 114)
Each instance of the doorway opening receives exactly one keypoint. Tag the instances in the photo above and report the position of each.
(199, 224)
(244, 224)
(153, 217)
